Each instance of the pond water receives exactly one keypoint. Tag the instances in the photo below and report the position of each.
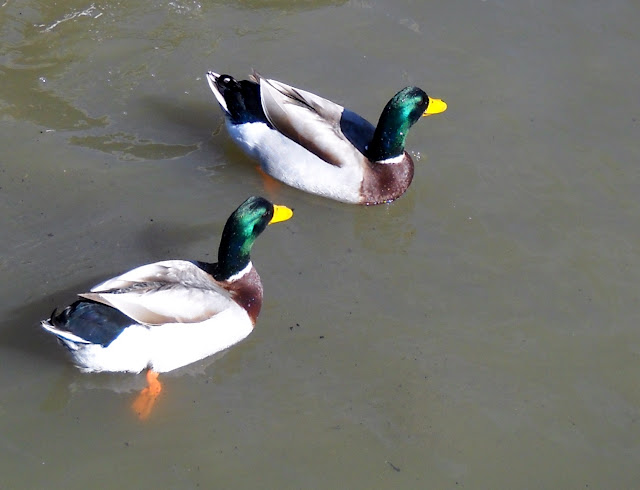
(480, 332)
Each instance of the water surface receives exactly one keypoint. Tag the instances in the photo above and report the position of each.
(480, 332)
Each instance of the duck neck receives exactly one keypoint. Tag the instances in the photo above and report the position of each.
(233, 253)
(389, 137)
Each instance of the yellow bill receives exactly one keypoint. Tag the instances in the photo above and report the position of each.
(435, 106)
(280, 213)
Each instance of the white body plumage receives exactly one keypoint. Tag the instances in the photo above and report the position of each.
(181, 316)
(307, 171)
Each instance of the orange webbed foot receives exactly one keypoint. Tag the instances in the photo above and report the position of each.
(143, 404)
(270, 184)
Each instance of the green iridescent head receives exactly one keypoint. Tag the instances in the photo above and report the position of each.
(400, 113)
(241, 230)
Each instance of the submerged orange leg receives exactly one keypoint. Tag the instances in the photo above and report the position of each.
(143, 404)
(270, 184)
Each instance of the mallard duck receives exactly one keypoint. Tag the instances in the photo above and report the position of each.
(168, 314)
(318, 146)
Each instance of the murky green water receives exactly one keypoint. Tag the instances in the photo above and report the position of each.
(480, 332)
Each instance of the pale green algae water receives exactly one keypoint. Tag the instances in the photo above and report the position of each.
(480, 332)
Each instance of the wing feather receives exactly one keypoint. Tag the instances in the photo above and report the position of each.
(172, 291)
(311, 121)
